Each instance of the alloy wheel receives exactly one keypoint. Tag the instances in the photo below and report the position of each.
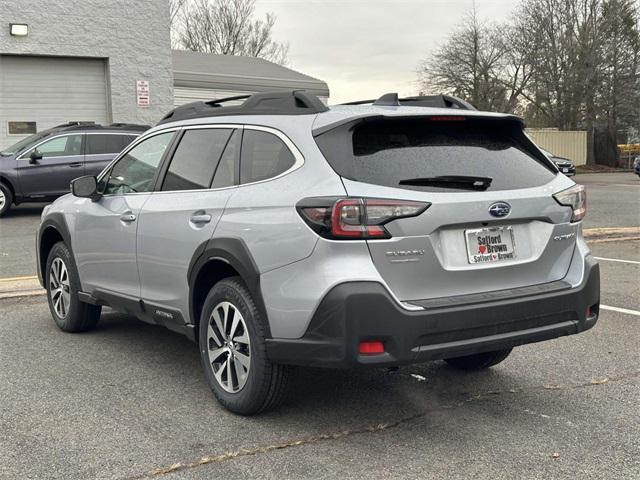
(59, 287)
(229, 347)
(3, 199)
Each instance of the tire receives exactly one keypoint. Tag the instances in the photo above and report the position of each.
(6, 199)
(479, 361)
(62, 284)
(260, 387)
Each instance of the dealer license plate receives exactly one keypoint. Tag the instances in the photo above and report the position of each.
(490, 245)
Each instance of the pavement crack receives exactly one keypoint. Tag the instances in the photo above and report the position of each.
(374, 428)
(246, 452)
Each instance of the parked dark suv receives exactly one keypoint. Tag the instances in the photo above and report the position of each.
(40, 167)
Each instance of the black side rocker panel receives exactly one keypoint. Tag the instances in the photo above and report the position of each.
(147, 312)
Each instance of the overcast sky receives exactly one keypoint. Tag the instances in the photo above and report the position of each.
(364, 48)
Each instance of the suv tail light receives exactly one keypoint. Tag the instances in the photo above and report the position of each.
(576, 198)
(355, 218)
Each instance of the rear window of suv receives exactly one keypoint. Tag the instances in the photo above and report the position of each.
(388, 151)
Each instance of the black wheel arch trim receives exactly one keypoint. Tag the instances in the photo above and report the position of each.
(11, 185)
(234, 252)
(56, 221)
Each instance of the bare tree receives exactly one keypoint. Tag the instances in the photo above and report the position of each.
(561, 36)
(469, 64)
(229, 27)
(176, 8)
(620, 63)
(569, 63)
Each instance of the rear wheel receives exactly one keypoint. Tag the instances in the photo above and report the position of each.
(62, 284)
(6, 199)
(479, 361)
(233, 351)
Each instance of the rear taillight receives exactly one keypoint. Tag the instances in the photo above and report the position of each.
(355, 218)
(576, 198)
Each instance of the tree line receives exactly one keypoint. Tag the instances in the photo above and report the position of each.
(226, 27)
(569, 64)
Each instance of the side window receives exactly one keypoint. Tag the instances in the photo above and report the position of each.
(225, 173)
(135, 171)
(106, 143)
(60, 146)
(127, 139)
(195, 159)
(263, 156)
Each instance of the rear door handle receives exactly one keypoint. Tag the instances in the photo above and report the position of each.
(203, 218)
(75, 165)
(128, 217)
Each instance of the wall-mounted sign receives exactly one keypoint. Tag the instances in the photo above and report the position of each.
(142, 93)
(21, 128)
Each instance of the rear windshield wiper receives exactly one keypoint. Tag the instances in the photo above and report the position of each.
(450, 181)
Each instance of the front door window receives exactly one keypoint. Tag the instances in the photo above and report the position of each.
(136, 170)
(60, 147)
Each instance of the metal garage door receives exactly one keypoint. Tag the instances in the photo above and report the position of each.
(50, 91)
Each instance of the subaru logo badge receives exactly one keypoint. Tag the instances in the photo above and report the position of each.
(500, 209)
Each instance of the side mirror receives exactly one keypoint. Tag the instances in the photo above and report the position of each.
(35, 156)
(85, 187)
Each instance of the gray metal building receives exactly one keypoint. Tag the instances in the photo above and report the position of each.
(82, 61)
(201, 76)
(111, 61)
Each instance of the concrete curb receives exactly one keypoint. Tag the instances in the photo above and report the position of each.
(20, 287)
(611, 234)
(612, 170)
(30, 286)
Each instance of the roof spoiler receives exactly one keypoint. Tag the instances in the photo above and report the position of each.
(373, 115)
(433, 101)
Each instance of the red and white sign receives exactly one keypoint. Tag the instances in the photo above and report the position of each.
(142, 93)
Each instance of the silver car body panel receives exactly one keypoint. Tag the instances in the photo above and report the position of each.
(104, 244)
(297, 268)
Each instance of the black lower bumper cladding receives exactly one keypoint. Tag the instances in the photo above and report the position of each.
(364, 311)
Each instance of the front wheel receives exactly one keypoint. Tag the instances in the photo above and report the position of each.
(62, 284)
(233, 351)
(479, 361)
(6, 199)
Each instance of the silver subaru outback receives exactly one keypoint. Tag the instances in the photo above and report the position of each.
(275, 231)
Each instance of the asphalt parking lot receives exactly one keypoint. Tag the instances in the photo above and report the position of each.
(128, 400)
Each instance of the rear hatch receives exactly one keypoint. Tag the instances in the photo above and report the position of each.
(492, 223)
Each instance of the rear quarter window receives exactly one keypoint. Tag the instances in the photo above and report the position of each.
(103, 143)
(386, 151)
(263, 156)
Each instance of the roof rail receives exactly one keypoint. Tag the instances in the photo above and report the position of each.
(434, 101)
(72, 126)
(129, 126)
(290, 102)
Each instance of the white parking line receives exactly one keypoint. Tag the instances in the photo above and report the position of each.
(620, 310)
(617, 260)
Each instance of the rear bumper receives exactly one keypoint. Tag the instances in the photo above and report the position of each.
(360, 311)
